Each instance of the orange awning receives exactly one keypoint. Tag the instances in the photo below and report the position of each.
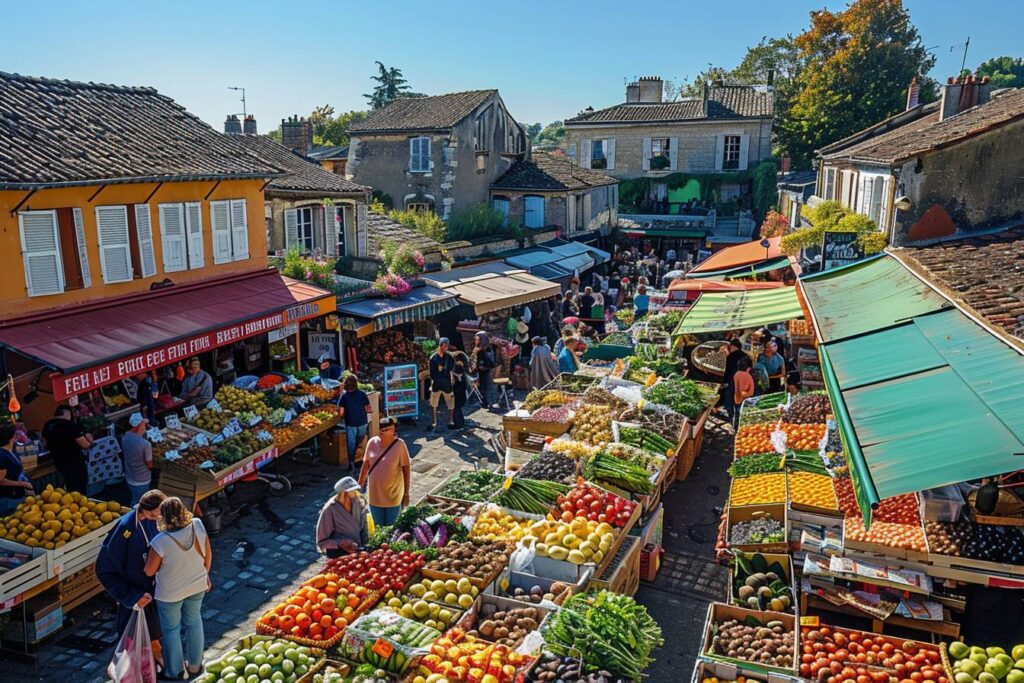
(741, 255)
(720, 285)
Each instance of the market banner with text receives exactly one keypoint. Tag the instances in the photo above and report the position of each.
(178, 350)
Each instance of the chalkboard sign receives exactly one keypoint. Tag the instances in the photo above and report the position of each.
(840, 249)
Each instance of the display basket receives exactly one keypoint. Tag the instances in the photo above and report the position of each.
(784, 560)
(704, 355)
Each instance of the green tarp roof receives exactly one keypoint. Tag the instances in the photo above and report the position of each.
(666, 232)
(868, 295)
(924, 400)
(722, 311)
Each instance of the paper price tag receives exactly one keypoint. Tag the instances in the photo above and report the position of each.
(301, 402)
(218, 438)
(172, 421)
(289, 415)
(383, 648)
(264, 435)
(154, 434)
(255, 420)
(235, 425)
(172, 455)
(200, 440)
(191, 413)
(207, 465)
(292, 379)
(214, 406)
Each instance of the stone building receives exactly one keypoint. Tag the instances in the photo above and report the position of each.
(437, 153)
(938, 170)
(549, 190)
(727, 129)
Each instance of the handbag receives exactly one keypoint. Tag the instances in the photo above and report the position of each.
(133, 656)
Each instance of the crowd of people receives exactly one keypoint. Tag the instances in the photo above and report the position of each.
(771, 371)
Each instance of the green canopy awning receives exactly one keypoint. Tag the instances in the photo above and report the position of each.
(722, 311)
(696, 233)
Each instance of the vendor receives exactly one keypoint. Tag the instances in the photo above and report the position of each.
(329, 370)
(197, 388)
(145, 394)
(341, 528)
(773, 364)
(14, 486)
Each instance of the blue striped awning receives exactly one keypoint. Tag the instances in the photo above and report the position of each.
(421, 303)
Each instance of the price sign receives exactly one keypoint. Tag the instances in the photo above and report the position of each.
(200, 440)
(173, 422)
(291, 380)
(383, 648)
(255, 420)
(289, 415)
(214, 406)
(264, 435)
(218, 438)
(207, 465)
(236, 427)
(154, 434)
(191, 413)
(172, 455)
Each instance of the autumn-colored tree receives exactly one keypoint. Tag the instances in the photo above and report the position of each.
(856, 67)
(775, 225)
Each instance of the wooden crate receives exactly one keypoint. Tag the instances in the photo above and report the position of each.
(622, 576)
(78, 554)
(28, 575)
(705, 670)
(770, 558)
(719, 612)
(525, 425)
(79, 588)
(745, 513)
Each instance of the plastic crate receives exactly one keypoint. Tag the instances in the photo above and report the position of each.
(943, 504)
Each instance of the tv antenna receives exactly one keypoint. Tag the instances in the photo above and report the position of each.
(244, 110)
(966, 44)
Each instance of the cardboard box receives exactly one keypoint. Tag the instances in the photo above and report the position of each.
(719, 612)
(745, 513)
(44, 615)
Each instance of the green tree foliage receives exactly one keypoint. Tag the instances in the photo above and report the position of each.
(533, 132)
(391, 84)
(331, 130)
(831, 216)
(426, 223)
(856, 67)
(552, 134)
(1005, 72)
(478, 220)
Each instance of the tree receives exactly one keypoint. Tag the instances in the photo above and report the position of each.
(553, 134)
(533, 132)
(1005, 72)
(391, 85)
(856, 66)
(331, 130)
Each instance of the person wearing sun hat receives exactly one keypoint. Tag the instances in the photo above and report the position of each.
(341, 528)
(138, 457)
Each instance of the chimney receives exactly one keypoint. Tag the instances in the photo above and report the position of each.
(633, 92)
(651, 88)
(960, 94)
(297, 134)
(232, 126)
(249, 125)
(787, 163)
(913, 93)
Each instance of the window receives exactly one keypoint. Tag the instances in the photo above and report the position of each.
(420, 207)
(599, 154)
(303, 236)
(229, 224)
(419, 155)
(335, 226)
(660, 154)
(54, 251)
(731, 152)
(126, 242)
(875, 191)
(570, 150)
(533, 211)
(830, 183)
(501, 205)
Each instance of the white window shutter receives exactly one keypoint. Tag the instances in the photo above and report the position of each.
(330, 230)
(673, 154)
(363, 249)
(610, 154)
(172, 237)
(83, 254)
(587, 212)
(570, 209)
(144, 229)
(585, 151)
(719, 151)
(744, 151)
(40, 248)
(194, 224)
(291, 228)
(239, 229)
(115, 248)
(220, 226)
(645, 161)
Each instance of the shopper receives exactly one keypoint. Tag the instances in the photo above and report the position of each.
(641, 302)
(567, 361)
(328, 370)
(484, 363)
(180, 558)
(743, 388)
(732, 361)
(145, 395)
(138, 457)
(14, 485)
(353, 407)
(197, 387)
(341, 528)
(773, 364)
(460, 387)
(386, 473)
(543, 367)
(441, 366)
(568, 306)
(121, 564)
(65, 440)
(568, 332)
(587, 303)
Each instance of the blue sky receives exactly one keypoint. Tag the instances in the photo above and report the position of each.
(550, 59)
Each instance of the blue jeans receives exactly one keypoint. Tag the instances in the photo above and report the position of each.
(137, 490)
(7, 505)
(173, 616)
(353, 435)
(384, 516)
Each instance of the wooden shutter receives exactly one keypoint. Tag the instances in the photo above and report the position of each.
(587, 211)
(330, 230)
(172, 237)
(719, 151)
(83, 254)
(673, 154)
(645, 159)
(144, 230)
(220, 227)
(570, 211)
(40, 249)
(610, 154)
(534, 211)
(585, 151)
(362, 247)
(291, 228)
(744, 151)
(194, 227)
(570, 151)
(239, 230)
(115, 247)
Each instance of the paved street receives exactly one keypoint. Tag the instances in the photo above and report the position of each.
(261, 557)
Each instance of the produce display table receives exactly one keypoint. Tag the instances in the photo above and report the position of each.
(945, 628)
(195, 485)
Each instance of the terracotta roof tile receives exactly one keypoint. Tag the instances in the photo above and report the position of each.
(724, 102)
(67, 132)
(301, 175)
(548, 171)
(423, 113)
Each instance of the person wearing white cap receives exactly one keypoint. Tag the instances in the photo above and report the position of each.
(341, 528)
(328, 370)
(138, 457)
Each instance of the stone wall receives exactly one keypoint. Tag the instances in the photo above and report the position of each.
(604, 207)
(697, 142)
(464, 251)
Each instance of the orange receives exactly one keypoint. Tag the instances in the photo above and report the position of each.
(315, 630)
(327, 605)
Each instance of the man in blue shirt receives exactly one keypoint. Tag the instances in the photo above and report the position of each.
(567, 357)
(441, 366)
(353, 407)
(120, 563)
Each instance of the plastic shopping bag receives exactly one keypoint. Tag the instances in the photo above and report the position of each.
(133, 656)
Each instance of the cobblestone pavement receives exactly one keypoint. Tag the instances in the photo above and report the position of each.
(262, 556)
